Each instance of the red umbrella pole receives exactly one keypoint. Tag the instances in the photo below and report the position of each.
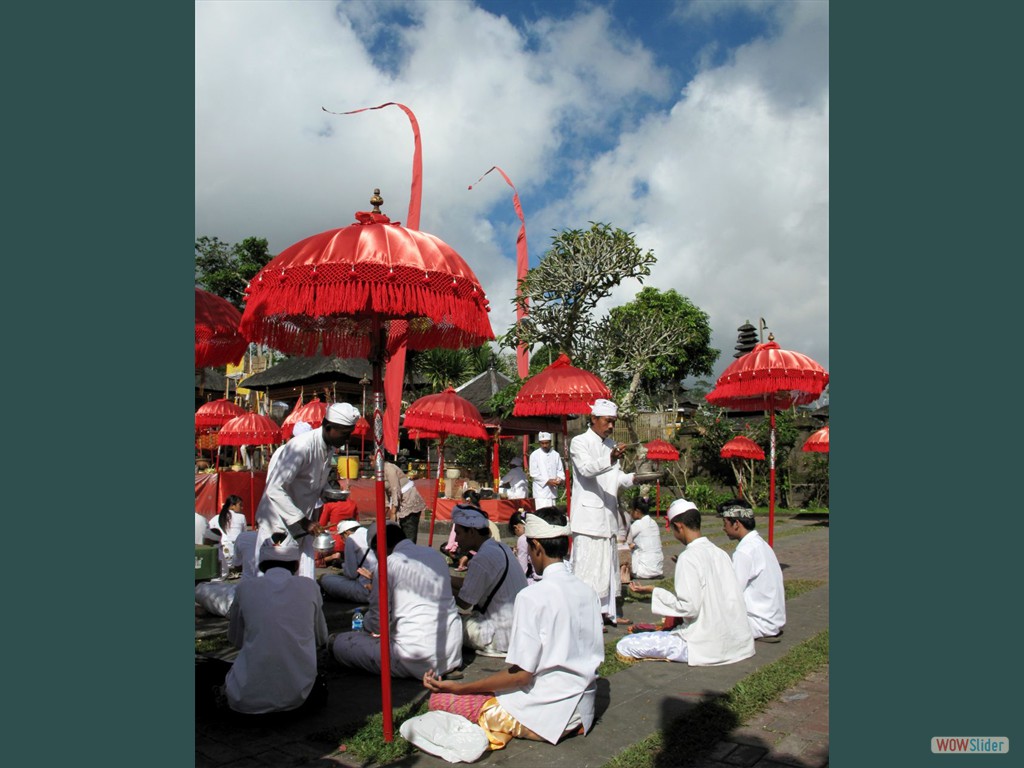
(437, 490)
(771, 489)
(382, 545)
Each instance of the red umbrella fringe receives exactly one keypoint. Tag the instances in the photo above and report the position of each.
(211, 353)
(460, 427)
(547, 405)
(248, 438)
(660, 450)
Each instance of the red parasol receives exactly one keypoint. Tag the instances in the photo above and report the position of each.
(343, 292)
(444, 414)
(312, 413)
(560, 390)
(818, 442)
(769, 378)
(217, 413)
(249, 429)
(218, 341)
(660, 450)
(742, 447)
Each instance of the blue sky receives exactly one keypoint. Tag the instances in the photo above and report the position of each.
(701, 127)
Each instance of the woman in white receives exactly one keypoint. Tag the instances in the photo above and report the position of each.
(229, 523)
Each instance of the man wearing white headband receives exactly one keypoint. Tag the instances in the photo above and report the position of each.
(298, 473)
(707, 598)
(597, 477)
(548, 690)
(546, 472)
(757, 570)
(358, 566)
(278, 623)
(493, 579)
(514, 481)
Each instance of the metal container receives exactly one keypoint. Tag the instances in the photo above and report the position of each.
(333, 493)
(324, 543)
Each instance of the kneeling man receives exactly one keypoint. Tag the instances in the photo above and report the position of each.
(549, 688)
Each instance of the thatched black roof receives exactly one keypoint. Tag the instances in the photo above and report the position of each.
(305, 371)
(483, 387)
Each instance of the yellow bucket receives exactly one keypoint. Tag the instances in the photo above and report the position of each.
(348, 467)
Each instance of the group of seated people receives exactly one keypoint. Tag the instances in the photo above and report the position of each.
(537, 615)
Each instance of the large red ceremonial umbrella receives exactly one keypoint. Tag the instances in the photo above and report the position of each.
(312, 413)
(347, 292)
(250, 429)
(444, 414)
(563, 390)
(210, 416)
(766, 379)
(218, 341)
(660, 450)
(742, 447)
(818, 442)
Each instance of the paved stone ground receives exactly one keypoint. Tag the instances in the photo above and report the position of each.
(632, 703)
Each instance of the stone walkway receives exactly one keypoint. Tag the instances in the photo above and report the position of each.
(632, 703)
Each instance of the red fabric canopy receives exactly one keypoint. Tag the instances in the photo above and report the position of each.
(559, 390)
(362, 428)
(321, 295)
(312, 413)
(216, 413)
(661, 450)
(424, 434)
(769, 377)
(448, 413)
(218, 341)
(741, 448)
(249, 429)
(818, 442)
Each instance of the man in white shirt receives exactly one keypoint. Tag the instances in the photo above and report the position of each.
(546, 473)
(707, 598)
(647, 561)
(514, 482)
(757, 571)
(278, 623)
(597, 477)
(425, 628)
(549, 689)
(493, 580)
(298, 473)
(359, 564)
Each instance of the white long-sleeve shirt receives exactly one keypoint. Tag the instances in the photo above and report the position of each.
(544, 466)
(708, 599)
(596, 483)
(760, 577)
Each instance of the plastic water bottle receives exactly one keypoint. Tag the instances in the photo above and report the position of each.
(357, 621)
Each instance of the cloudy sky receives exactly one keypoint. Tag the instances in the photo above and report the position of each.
(701, 127)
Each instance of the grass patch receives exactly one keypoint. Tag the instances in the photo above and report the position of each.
(690, 737)
(212, 643)
(365, 740)
(611, 663)
(796, 587)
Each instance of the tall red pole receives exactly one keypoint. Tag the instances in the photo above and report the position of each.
(382, 545)
(437, 490)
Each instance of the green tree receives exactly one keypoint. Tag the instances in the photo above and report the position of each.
(713, 431)
(226, 269)
(442, 368)
(579, 269)
(653, 342)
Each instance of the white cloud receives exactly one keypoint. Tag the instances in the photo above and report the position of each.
(737, 169)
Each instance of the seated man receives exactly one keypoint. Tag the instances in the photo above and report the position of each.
(707, 597)
(358, 566)
(517, 527)
(647, 560)
(757, 571)
(549, 689)
(492, 582)
(514, 482)
(423, 623)
(278, 623)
